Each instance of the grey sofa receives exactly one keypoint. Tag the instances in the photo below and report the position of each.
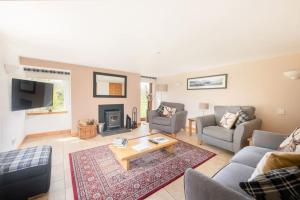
(225, 184)
(210, 131)
(170, 125)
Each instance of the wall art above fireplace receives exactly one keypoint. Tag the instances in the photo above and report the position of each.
(109, 85)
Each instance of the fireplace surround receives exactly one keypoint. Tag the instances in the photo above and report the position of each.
(112, 115)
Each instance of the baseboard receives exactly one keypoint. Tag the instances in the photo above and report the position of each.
(49, 133)
(21, 143)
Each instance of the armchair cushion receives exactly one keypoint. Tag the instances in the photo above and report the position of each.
(179, 106)
(166, 121)
(229, 119)
(219, 132)
(221, 110)
(243, 117)
(160, 110)
(169, 111)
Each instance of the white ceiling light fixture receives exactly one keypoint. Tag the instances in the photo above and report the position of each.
(292, 74)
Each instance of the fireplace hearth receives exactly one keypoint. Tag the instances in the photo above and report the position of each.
(112, 115)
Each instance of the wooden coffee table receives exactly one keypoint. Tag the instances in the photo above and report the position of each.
(123, 155)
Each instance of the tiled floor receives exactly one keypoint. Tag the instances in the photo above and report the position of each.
(61, 185)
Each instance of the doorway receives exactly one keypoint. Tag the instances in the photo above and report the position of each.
(146, 99)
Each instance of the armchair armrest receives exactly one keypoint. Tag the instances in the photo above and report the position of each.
(267, 139)
(200, 187)
(152, 114)
(204, 121)
(178, 121)
(243, 132)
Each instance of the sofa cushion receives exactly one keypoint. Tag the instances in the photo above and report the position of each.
(283, 183)
(221, 110)
(166, 121)
(219, 133)
(250, 155)
(291, 143)
(234, 173)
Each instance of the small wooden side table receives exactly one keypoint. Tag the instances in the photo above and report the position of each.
(191, 120)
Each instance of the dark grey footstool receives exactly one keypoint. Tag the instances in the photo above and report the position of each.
(25, 172)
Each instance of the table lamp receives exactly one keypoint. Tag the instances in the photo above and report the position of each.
(203, 106)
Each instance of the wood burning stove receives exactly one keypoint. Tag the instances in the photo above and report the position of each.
(113, 119)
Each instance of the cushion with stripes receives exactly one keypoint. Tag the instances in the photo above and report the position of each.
(283, 183)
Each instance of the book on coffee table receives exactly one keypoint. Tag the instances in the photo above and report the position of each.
(120, 142)
(158, 140)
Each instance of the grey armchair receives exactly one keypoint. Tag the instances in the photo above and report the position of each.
(209, 129)
(170, 125)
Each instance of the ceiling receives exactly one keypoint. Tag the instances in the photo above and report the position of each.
(154, 38)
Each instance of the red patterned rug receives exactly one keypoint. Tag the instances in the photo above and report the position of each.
(97, 175)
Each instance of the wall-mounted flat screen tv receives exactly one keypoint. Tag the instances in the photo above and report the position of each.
(31, 94)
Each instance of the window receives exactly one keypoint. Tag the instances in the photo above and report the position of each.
(59, 98)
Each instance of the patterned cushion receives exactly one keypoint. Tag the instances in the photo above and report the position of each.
(160, 110)
(168, 111)
(243, 117)
(20, 159)
(291, 143)
(281, 183)
(228, 120)
(275, 160)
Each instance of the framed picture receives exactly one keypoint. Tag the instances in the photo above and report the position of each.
(207, 82)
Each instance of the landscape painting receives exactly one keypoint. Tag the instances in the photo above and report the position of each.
(207, 82)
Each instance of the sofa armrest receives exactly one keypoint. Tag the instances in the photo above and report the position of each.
(152, 114)
(178, 121)
(243, 132)
(204, 121)
(200, 187)
(267, 139)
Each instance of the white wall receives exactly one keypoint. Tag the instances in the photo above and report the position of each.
(47, 123)
(258, 83)
(11, 123)
(53, 122)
